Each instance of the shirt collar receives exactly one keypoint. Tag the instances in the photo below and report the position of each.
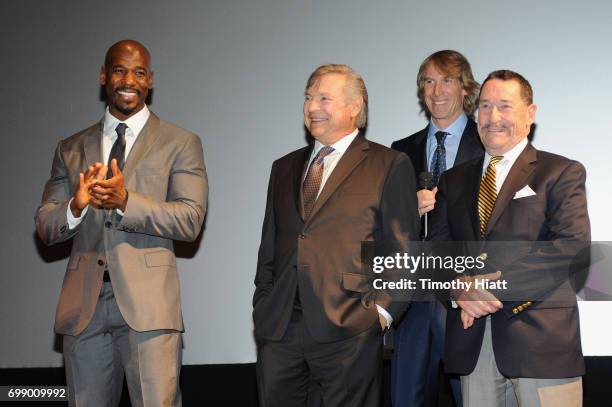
(454, 130)
(339, 146)
(135, 122)
(511, 156)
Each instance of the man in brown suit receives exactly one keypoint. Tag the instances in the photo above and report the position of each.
(316, 315)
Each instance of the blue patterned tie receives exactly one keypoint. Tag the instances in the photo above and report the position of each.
(438, 165)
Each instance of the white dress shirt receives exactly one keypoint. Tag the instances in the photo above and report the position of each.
(134, 124)
(503, 166)
(329, 163)
(331, 160)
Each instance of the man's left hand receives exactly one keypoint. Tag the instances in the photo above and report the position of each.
(466, 319)
(111, 193)
(427, 200)
(477, 302)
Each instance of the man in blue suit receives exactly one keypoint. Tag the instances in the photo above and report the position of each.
(447, 94)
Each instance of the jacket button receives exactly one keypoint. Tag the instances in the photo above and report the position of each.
(528, 303)
(520, 308)
(100, 262)
(302, 236)
(483, 256)
(108, 224)
(515, 311)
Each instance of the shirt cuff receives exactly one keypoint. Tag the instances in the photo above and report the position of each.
(73, 222)
(385, 314)
(119, 211)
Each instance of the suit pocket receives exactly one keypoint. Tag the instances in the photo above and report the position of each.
(149, 172)
(355, 282)
(526, 200)
(160, 258)
(150, 181)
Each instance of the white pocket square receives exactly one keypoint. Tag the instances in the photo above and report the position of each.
(524, 192)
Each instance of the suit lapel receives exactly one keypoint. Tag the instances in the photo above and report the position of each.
(469, 144)
(517, 177)
(299, 172)
(93, 154)
(472, 185)
(93, 145)
(420, 147)
(146, 139)
(356, 152)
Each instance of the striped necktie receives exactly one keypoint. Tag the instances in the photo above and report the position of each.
(487, 194)
(312, 182)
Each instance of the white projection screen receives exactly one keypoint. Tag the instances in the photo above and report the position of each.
(234, 73)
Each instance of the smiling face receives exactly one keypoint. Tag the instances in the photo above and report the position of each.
(443, 96)
(127, 78)
(504, 116)
(331, 108)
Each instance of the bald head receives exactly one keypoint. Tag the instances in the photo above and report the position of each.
(131, 46)
(126, 77)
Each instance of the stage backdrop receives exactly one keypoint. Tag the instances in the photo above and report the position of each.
(234, 72)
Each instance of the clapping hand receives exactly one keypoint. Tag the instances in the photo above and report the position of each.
(82, 197)
(110, 193)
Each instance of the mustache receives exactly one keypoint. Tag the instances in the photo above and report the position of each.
(317, 116)
(503, 126)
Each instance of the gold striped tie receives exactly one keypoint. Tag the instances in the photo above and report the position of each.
(487, 194)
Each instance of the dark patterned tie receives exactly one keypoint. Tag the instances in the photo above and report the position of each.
(438, 165)
(487, 195)
(312, 182)
(118, 150)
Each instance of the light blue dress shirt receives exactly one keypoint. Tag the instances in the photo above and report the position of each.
(451, 143)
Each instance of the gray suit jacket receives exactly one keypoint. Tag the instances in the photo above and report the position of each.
(167, 186)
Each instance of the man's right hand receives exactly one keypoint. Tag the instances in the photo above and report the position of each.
(477, 302)
(427, 200)
(81, 197)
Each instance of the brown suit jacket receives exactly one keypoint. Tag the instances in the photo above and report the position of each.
(540, 339)
(370, 196)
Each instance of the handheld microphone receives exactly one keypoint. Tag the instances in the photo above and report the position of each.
(426, 182)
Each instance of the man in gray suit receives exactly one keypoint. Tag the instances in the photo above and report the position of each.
(120, 308)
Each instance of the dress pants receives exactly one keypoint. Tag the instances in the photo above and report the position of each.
(97, 358)
(486, 386)
(348, 372)
(418, 350)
